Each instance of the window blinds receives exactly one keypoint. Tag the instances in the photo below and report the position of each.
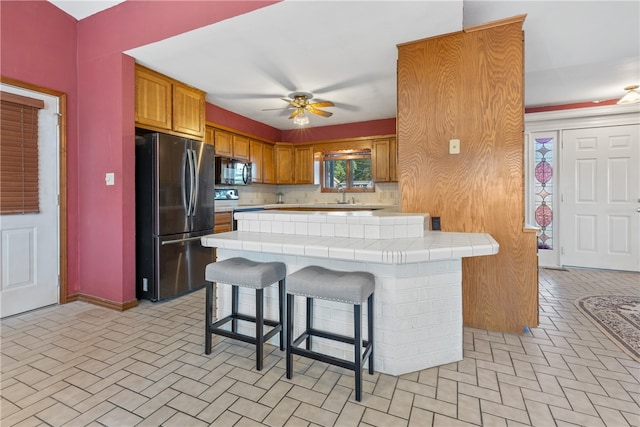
(19, 193)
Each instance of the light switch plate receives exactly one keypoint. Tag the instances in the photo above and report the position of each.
(110, 178)
(454, 146)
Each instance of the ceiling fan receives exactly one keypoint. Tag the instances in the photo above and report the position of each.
(301, 105)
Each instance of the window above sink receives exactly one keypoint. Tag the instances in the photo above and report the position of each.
(346, 171)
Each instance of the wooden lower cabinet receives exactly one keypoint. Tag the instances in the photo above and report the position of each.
(222, 222)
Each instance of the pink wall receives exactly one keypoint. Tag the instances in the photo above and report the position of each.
(220, 116)
(38, 46)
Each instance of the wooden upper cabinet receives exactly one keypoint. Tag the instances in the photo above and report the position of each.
(209, 135)
(268, 164)
(153, 99)
(188, 110)
(284, 164)
(165, 104)
(241, 147)
(256, 158)
(303, 165)
(223, 143)
(380, 160)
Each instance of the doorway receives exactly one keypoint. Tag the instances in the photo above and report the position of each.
(31, 271)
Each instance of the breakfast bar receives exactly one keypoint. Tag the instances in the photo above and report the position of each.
(418, 276)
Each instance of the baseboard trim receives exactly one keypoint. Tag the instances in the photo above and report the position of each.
(119, 306)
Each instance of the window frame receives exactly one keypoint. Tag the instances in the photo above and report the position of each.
(353, 154)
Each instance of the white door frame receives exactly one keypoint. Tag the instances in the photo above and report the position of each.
(63, 297)
(558, 121)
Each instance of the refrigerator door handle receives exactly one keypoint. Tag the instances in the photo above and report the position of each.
(190, 158)
(196, 181)
(183, 186)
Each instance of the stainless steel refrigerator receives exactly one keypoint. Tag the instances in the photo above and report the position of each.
(174, 208)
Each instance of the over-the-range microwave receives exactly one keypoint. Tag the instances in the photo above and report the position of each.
(232, 172)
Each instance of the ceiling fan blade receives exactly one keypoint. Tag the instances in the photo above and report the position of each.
(319, 112)
(295, 113)
(322, 104)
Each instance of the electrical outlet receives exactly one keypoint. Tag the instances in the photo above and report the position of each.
(110, 178)
(454, 146)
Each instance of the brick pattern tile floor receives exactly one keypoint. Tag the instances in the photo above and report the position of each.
(82, 365)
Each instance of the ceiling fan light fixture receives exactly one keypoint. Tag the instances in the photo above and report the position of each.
(301, 118)
(632, 95)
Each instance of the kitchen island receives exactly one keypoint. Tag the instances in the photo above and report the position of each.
(418, 294)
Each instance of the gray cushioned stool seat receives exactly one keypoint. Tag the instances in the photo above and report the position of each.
(353, 287)
(245, 273)
(241, 272)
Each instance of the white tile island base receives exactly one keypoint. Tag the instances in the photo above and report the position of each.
(418, 293)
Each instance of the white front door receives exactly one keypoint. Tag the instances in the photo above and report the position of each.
(601, 196)
(29, 249)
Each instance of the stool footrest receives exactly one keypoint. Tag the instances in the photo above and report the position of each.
(324, 357)
(216, 329)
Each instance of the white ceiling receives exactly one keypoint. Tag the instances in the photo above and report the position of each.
(345, 52)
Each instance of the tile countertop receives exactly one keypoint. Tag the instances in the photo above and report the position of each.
(228, 206)
(434, 246)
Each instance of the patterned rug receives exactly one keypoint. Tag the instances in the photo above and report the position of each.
(618, 316)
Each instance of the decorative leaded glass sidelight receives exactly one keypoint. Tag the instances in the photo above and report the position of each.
(544, 191)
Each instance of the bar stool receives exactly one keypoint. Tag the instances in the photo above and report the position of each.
(343, 286)
(241, 272)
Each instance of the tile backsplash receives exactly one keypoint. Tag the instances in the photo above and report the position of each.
(386, 193)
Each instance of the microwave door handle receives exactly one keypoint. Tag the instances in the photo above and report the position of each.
(196, 182)
(245, 174)
(183, 186)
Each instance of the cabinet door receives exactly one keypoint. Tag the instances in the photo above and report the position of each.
(255, 157)
(380, 160)
(222, 222)
(393, 160)
(268, 164)
(284, 164)
(241, 147)
(223, 143)
(209, 135)
(188, 110)
(303, 165)
(153, 99)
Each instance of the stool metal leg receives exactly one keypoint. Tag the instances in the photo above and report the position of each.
(208, 318)
(259, 328)
(282, 292)
(235, 290)
(290, 312)
(309, 321)
(357, 338)
(370, 330)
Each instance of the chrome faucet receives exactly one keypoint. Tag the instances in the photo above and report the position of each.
(344, 196)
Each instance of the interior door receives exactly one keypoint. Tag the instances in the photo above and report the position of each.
(29, 250)
(601, 198)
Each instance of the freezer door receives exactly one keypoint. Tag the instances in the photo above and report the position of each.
(180, 264)
(204, 192)
(171, 184)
